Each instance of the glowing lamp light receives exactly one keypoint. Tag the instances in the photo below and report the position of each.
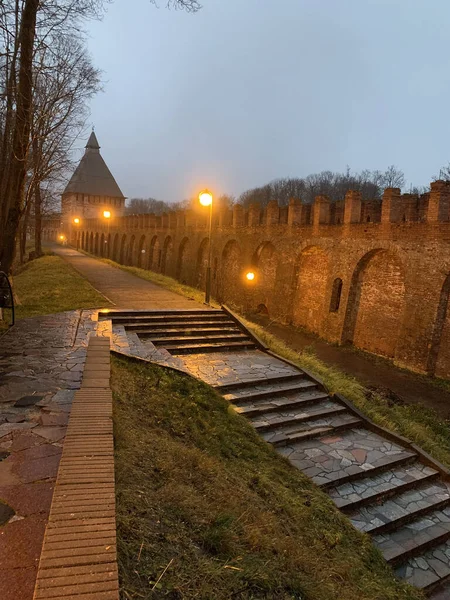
(205, 198)
(107, 214)
(250, 276)
(61, 237)
(76, 221)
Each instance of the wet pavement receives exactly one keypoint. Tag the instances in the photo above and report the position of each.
(41, 363)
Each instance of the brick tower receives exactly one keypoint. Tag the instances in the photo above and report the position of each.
(91, 190)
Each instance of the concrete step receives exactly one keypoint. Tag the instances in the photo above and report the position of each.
(313, 428)
(180, 332)
(220, 347)
(415, 538)
(211, 339)
(356, 472)
(403, 508)
(159, 313)
(174, 318)
(269, 391)
(230, 387)
(281, 404)
(439, 590)
(375, 488)
(275, 421)
(149, 326)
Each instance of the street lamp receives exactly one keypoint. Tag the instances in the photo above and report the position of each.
(206, 199)
(249, 278)
(77, 223)
(107, 216)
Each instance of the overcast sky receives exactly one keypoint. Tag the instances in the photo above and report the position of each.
(246, 91)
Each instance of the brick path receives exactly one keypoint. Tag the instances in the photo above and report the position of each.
(41, 362)
(79, 557)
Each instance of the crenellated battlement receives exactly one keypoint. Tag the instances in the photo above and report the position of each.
(433, 207)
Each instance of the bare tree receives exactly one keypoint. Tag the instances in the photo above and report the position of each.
(393, 178)
(26, 28)
(64, 83)
(371, 184)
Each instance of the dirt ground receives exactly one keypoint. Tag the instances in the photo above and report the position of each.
(372, 371)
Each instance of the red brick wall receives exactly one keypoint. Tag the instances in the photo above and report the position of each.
(393, 267)
(380, 303)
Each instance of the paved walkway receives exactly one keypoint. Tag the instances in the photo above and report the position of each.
(122, 288)
(41, 363)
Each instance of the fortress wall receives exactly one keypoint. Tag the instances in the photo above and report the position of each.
(381, 284)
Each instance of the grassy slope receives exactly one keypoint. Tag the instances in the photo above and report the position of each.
(49, 285)
(198, 490)
(420, 424)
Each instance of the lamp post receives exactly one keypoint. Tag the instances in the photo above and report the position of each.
(250, 277)
(107, 216)
(206, 199)
(77, 223)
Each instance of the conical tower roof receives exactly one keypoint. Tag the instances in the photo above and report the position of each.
(92, 176)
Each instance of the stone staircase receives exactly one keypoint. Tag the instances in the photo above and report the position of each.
(386, 486)
(185, 332)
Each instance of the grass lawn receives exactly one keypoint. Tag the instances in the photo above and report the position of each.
(207, 510)
(48, 285)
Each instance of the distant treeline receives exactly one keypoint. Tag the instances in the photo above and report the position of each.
(371, 184)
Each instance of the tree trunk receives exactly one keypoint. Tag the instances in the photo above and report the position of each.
(14, 192)
(38, 220)
(23, 237)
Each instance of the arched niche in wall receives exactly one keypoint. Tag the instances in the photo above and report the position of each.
(115, 249)
(183, 260)
(311, 287)
(123, 247)
(265, 261)
(439, 357)
(336, 292)
(102, 245)
(166, 258)
(202, 264)
(375, 304)
(141, 252)
(229, 276)
(131, 251)
(154, 254)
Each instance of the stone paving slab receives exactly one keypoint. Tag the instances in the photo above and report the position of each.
(400, 506)
(221, 368)
(41, 362)
(388, 481)
(324, 459)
